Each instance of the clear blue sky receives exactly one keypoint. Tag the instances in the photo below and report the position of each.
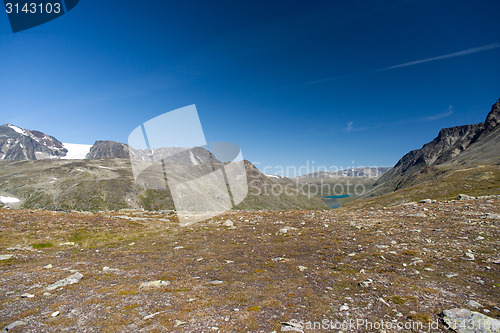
(289, 81)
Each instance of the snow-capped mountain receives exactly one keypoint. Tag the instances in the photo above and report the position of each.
(21, 144)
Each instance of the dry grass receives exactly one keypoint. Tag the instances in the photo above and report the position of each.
(262, 271)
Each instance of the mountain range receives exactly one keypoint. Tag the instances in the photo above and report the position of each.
(461, 159)
(41, 172)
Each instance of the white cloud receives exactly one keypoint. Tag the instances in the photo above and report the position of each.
(411, 63)
(440, 115)
(446, 56)
(349, 126)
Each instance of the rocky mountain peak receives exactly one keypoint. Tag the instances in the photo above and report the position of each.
(108, 149)
(460, 145)
(493, 118)
(17, 143)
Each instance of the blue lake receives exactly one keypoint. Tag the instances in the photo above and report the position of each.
(337, 196)
(332, 202)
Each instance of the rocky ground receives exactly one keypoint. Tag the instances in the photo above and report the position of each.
(249, 271)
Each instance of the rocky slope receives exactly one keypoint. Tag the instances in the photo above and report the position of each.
(454, 148)
(104, 179)
(108, 149)
(252, 271)
(176, 155)
(108, 184)
(21, 144)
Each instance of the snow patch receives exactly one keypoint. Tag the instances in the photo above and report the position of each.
(44, 156)
(17, 129)
(193, 159)
(8, 200)
(76, 151)
(273, 176)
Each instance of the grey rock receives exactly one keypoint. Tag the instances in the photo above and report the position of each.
(66, 281)
(26, 295)
(228, 223)
(279, 259)
(215, 282)
(291, 327)
(152, 315)
(464, 197)
(178, 323)
(20, 247)
(285, 230)
(469, 256)
(425, 201)
(14, 325)
(155, 284)
(418, 215)
(344, 307)
(366, 283)
(474, 304)
(466, 321)
(6, 256)
(383, 301)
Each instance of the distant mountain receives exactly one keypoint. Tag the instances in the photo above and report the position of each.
(455, 148)
(22, 144)
(108, 184)
(100, 176)
(176, 155)
(108, 149)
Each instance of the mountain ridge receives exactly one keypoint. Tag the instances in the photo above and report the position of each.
(22, 144)
(453, 148)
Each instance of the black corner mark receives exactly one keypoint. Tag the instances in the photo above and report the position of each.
(26, 14)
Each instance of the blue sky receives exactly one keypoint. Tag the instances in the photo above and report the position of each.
(334, 82)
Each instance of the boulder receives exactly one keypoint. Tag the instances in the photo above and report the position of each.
(466, 321)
